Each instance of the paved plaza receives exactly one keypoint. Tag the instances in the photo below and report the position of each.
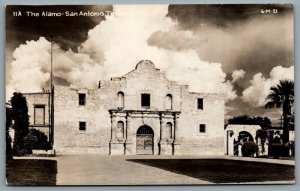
(162, 170)
(114, 170)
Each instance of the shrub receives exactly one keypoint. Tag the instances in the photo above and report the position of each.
(29, 142)
(277, 149)
(36, 140)
(18, 151)
(249, 148)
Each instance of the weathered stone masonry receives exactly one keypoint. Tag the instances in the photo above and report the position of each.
(141, 112)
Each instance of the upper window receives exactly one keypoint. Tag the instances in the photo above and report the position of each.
(200, 103)
(145, 100)
(169, 101)
(120, 100)
(202, 128)
(82, 126)
(39, 114)
(81, 99)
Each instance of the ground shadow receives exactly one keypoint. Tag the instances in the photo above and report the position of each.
(224, 171)
(31, 172)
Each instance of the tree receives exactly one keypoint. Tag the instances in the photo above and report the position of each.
(264, 122)
(282, 94)
(20, 116)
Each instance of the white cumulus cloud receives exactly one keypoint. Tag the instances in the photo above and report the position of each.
(260, 86)
(237, 75)
(113, 48)
(121, 41)
(30, 69)
(26, 68)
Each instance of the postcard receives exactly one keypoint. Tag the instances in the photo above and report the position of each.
(158, 94)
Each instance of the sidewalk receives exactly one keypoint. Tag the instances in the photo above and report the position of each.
(266, 160)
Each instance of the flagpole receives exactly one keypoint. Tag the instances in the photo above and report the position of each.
(51, 137)
(51, 76)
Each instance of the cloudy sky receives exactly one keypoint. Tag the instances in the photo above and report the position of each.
(239, 50)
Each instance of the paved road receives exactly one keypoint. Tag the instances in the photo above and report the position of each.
(114, 170)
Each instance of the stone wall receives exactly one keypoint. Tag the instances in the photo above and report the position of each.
(212, 115)
(232, 133)
(33, 99)
(97, 138)
(68, 138)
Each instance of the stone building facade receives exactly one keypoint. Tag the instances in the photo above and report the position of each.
(141, 112)
(39, 111)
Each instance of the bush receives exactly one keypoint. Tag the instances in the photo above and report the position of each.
(36, 140)
(249, 148)
(29, 142)
(277, 149)
(18, 151)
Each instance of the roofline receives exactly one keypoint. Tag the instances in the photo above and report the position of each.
(32, 93)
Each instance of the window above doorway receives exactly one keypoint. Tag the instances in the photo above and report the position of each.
(145, 100)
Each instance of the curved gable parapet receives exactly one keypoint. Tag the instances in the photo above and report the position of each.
(146, 67)
(145, 64)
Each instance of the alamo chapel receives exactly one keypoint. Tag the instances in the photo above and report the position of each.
(141, 112)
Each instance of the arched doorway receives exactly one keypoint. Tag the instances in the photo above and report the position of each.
(245, 136)
(144, 140)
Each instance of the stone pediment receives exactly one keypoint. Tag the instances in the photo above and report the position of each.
(146, 67)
